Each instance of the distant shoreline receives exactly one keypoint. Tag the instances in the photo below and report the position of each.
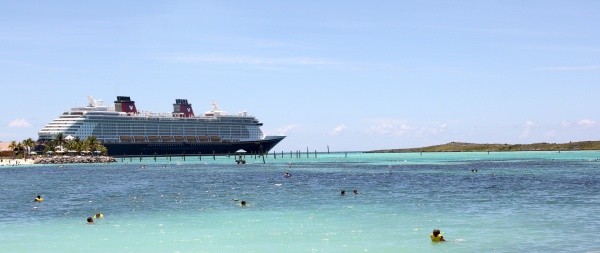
(475, 147)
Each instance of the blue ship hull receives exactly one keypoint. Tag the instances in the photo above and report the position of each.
(186, 148)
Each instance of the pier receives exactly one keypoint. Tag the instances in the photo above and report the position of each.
(236, 158)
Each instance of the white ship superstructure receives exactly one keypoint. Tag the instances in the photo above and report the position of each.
(127, 131)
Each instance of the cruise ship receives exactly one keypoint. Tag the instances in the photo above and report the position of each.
(125, 131)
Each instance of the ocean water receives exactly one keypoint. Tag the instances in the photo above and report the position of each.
(496, 202)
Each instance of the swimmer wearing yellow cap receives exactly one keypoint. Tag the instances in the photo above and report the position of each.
(38, 199)
(437, 236)
(99, 216)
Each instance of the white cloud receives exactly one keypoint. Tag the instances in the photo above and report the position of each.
(552, 133)
(437, 130)
(391, 128)
(399, 128)
(266, 62)
(586, 123)
(19, 123)
(250, 60)
(566, 130)
(574, 68)
(527, 129)
(285, 130)
(338, 130)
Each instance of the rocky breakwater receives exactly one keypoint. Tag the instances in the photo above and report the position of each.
(74, 159)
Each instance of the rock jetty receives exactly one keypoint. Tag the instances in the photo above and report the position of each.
(74, 159)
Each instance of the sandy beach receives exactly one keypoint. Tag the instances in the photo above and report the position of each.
(56, 160)
(15, 162)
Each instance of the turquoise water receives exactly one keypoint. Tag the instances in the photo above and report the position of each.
(514, 202)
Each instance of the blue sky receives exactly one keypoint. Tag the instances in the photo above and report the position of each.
(354, 75)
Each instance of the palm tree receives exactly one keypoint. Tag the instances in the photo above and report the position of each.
(69, 145)
(50, 146)
(14, 147)
(28, 144)
(93, 143)
(102, 149)
(85, 146)
(77, 145)
(19, 149)
(60, 140)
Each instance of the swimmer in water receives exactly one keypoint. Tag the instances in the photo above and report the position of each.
(343, 193)
(90, 220)
(99, 216)
(243, 203)
(38, 199)
(436, 236)
(286, 175)
(355, 191)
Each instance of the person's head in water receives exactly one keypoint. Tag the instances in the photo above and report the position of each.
(355, 191)
(99, 215)
(90, 220)
(343, 192)
(436, 236)
(243, 203)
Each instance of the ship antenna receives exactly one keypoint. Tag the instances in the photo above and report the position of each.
(214, 107)
(91, 101)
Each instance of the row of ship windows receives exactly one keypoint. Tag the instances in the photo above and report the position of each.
(222, 135)
(233, 128)
(226, 128)
(174, 134)
(114, 116)
(147, 125)
(162, 131)
(156, 120)
(171, 130)
(171, 120)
